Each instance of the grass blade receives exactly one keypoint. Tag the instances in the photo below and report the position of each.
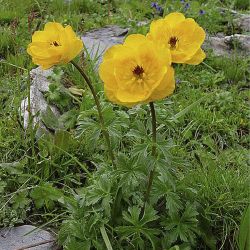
(105, 238)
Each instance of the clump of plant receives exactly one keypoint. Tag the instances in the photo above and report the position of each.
(131, 196)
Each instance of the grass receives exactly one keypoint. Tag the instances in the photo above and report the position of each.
(205, 127)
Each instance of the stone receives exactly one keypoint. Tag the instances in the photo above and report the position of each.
(243, 22)
(26, 237)
(38, 103)
(225, 45)
(217, 44)
(225, 10)
(98, 41)
(142, 23)
(243, 42)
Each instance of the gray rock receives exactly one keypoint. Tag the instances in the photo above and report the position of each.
(225, 10)
(39, 85)
(142, 23)
(20, 238)
(243, 42)
(243, 22)
(99, 40)
(225, 45)
(217, 44)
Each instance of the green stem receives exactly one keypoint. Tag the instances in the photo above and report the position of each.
(152, 172)
(98, 106)
(215, 71)
(30, 121)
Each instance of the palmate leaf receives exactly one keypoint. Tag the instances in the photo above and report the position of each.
(86, 124)
(139, 229)
(164, 186)
(173, 202)
(148, 216)
(73, 244)
(68, 119)
(131, 178)
(90, 130)
(50, 120)
(184, 246)
(100, 192)
(141, 150)
(46, 194)
(182, 226)
(82, 233)
(62, 140)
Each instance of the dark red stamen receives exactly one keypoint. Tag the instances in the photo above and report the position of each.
(172, 41)
(138, 71)
(55, 43)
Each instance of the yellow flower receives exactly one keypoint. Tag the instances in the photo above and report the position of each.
(54, 45)
(137, 71)
(183, 36)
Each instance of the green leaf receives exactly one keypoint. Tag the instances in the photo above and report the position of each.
(46, 194)
(49, 119)
(62, 140)
(20, 201)
(3, 184)
(182, 225)
(206, 232)
(12, 167)
(76, 91)
(244, 233)
(69, 118)
(148, 216)
(105, 238)
(187, 109)
(139, 228)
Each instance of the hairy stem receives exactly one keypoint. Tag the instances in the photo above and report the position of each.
(30, 122)
(152, 172)
(98, 106)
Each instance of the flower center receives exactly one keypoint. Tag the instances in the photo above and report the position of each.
(138, 71)
(172, 42)
(55, 43)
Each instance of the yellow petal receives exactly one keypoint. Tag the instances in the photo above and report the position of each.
(160, 32)
(134, 40)
(130, 97)
(165, 88)
(110, 95)
(198, 57)
(53, 27)
(106, 73)
(71, 45)
(110, 53)
(180, 56)
(174, 18)
(189, 33)
(41, 36)
(77, 46)
(164, 54)
(70, 33)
